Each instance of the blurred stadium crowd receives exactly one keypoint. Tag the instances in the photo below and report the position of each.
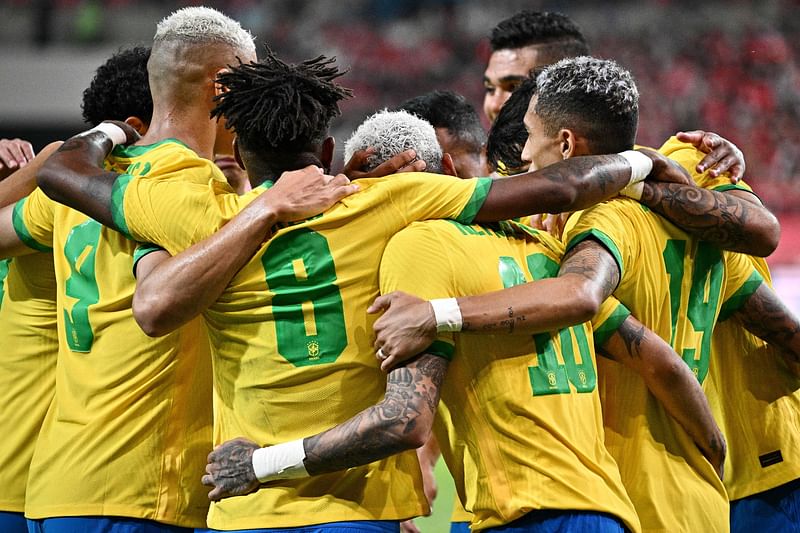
(723, 66)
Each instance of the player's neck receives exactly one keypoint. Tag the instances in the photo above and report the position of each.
(197, 132)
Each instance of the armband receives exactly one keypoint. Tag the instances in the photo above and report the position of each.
(447, 314)
(641, 165)
(282, 461)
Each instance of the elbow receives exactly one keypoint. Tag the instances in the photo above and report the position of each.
(418, 436)
(585, 304)
(564, 198)
(149, 315)
(768, 237)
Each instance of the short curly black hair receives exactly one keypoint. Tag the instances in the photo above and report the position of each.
(449, 110)
(275, 106)
(508, 135)
(120, 89)
(555, 32)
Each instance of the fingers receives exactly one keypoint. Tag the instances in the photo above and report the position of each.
(693, 137)
(15, 153)
(358, 161)
(381, 303)
(389, 363)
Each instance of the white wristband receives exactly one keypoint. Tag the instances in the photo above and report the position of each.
(634, 191)
(641, 165)
(282, 461)
(112, 131)
(447, 314)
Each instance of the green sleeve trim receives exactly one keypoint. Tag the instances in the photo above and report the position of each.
(141, 251)
(605, 240)
(118, 202)
(611, 324)
(24, 235)
(476, 201)
(735, 302)
(136, 150)
(735, 187)
(441, 349)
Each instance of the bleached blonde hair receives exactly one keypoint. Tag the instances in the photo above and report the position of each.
(204, 25)
(392, 132)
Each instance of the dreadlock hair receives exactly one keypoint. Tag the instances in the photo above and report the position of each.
(508, 135)
(119, 89)
(279, 110)
(555, 35)
(451, 111)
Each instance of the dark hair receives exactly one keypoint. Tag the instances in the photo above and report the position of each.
(596, 97)
(280, 108)
(508, 134)
(555, 35)
(449, 110)
(120, 89)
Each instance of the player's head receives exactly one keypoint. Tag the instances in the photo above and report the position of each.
(393, 132)
(458, 128)
(520, 43)
(582, 106)
(190, 47)
(120, 90)
(508, 135)
(281, 113)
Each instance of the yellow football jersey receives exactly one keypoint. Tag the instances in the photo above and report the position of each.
(676, 286)
(525, 430)
(761, 418)
(131, 418)
(293, 352)
(27, 365)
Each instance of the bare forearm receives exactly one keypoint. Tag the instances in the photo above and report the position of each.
(22, 182)
(765, 315)
(570, 185)
(400, 422)
(671, 381)
(720, 218)
(74, 176)
(535, 307)
(181, 287)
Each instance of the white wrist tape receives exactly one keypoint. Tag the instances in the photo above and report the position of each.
(282, 461)
(447, 314)
(634, 191)
(641, 165)
(112, 131)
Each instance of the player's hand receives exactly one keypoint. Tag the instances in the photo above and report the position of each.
(665, 169)
(408, 526)
(14, 154)
(301, 194)
(403, 162)
(723, 155)
(230, 469)
(407, 327)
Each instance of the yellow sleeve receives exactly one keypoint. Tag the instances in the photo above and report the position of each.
(741, 281)
(400, 271)
(607, 224)
(33, 221)
(172, 214)
(608, 319)
(423, 196)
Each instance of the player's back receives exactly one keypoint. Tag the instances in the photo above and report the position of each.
(525, 429)
(294, 354)
(27, 365)
(676, 285)
(131, 418)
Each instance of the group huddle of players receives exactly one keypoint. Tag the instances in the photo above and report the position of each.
(279, 340)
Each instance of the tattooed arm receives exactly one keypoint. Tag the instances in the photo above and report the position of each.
(765, 316)
(569, 185)
(588, 275)
(401, 421)
(727, 219)
(671, 381)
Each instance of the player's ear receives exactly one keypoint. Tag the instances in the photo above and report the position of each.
(236, 155)
(218, 87)
(326, 154)
(448, 166)
(137, 124)
(567, 143)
